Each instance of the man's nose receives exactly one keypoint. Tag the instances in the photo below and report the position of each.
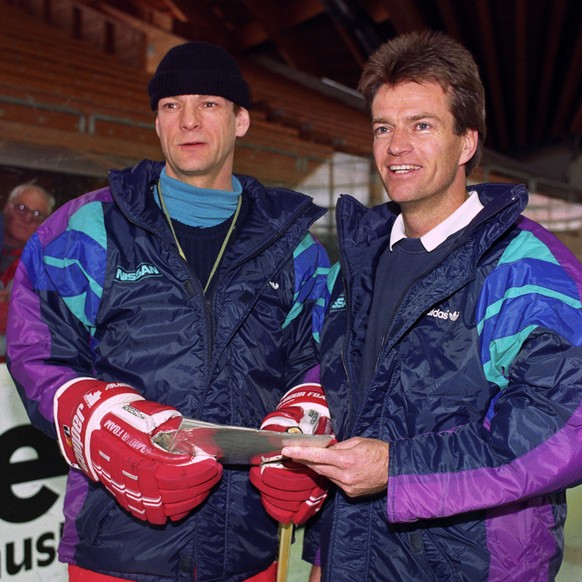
(190, 118)
(399, 142)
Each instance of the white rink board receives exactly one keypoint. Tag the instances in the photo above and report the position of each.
(31, 502)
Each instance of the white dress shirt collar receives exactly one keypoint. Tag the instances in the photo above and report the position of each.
(455, 222)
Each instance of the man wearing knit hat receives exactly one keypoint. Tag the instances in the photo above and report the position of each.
(181, 290)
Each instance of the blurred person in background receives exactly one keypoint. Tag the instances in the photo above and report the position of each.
(25, 209)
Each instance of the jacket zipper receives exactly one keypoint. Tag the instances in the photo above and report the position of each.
(344, 271)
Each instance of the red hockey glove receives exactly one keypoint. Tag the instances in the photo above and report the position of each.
(106, 430)
(291, 491)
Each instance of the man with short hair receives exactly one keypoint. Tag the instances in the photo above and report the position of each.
(180, 290)
(451, 350)
(26, 207)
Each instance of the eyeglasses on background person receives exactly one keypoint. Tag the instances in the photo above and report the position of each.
(23, 210)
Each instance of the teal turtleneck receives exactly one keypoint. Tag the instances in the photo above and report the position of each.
(198, 207)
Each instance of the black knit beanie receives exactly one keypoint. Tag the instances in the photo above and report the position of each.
(198, 68)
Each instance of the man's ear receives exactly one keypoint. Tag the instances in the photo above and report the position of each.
(156, 125)
(243, 122)
(470, 141)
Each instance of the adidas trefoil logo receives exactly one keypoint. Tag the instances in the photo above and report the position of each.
(450, 315)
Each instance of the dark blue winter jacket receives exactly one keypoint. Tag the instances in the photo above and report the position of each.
(102, 292)
(478, 390)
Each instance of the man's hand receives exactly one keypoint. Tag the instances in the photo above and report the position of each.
(291, 492)
(106, 430)
(359, 466)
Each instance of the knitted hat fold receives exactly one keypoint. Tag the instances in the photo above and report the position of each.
(199, 68)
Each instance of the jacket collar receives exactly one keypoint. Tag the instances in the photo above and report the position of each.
(454, 223)
(276, 212)
(358, 224)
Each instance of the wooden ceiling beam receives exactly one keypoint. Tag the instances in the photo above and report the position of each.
(405, 16)
(576, 125)
(280, 30)
(450, 18)
(179, 9)
(376, 9)
(521, 81)
(355, 51)
(487, 41)
(301, 11)
(551, 44)
(569, 94)
(278, 19)
(292, 15)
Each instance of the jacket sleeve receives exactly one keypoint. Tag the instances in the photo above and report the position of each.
(311, 265)
(55, 299)
(529, 442)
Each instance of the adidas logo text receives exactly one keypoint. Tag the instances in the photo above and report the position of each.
(451, 315)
